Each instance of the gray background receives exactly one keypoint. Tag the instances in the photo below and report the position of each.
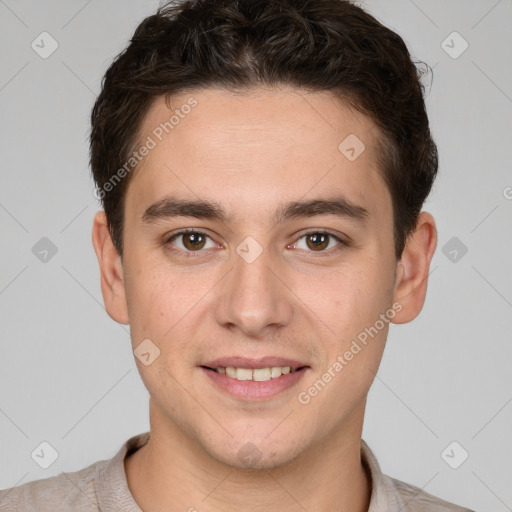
(67, 374)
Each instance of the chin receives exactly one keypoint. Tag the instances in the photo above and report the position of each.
(252, 456)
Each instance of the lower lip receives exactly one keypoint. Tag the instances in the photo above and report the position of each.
(255, 390)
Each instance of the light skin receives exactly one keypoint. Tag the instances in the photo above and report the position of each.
(251, 153)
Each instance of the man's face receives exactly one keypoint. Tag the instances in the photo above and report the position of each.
(247, 286)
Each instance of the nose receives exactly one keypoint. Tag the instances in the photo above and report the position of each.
(255, 296)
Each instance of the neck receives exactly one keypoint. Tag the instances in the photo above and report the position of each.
(172, 472)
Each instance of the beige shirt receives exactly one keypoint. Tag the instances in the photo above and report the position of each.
(102, 487)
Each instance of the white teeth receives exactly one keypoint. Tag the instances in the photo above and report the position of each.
(258, 374)
(275, 371)
(261, 374)
(243, 374)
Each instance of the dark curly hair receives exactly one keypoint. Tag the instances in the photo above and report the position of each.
(315, 45)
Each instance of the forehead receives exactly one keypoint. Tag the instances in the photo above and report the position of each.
(260, 147)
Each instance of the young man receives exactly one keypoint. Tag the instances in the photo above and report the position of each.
(262, 167)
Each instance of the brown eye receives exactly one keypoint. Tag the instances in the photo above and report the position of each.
(319, 241)
(193, 241)
(190, 241)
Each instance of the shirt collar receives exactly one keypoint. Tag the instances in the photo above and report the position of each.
(380, 496)
(113, 489)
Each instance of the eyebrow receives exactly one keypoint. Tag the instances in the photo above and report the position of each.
(170, 207)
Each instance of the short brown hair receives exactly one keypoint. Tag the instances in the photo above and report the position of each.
(316, 45)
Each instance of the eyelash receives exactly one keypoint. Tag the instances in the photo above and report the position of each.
(190, 254)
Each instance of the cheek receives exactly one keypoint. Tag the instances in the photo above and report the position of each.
(352, 304)
(161, 304)
(351, 298)
(156, 306)
(151, 297)
(166, 307)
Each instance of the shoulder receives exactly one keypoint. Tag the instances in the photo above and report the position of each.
(414, 499)
(67, 491)
(392, 495)
(100, 486)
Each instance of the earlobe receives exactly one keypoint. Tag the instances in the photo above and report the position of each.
(413, 269)
(111, 270)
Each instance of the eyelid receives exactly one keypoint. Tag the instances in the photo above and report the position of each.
(310, 231)
(169, 238)
(320, 231)
(341, 241)
(200, 231)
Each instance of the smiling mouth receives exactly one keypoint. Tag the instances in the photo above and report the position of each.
(255, 374)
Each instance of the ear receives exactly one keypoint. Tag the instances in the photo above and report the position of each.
(111, 269)
(413, 268)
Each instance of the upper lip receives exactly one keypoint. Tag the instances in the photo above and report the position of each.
(262, 362)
